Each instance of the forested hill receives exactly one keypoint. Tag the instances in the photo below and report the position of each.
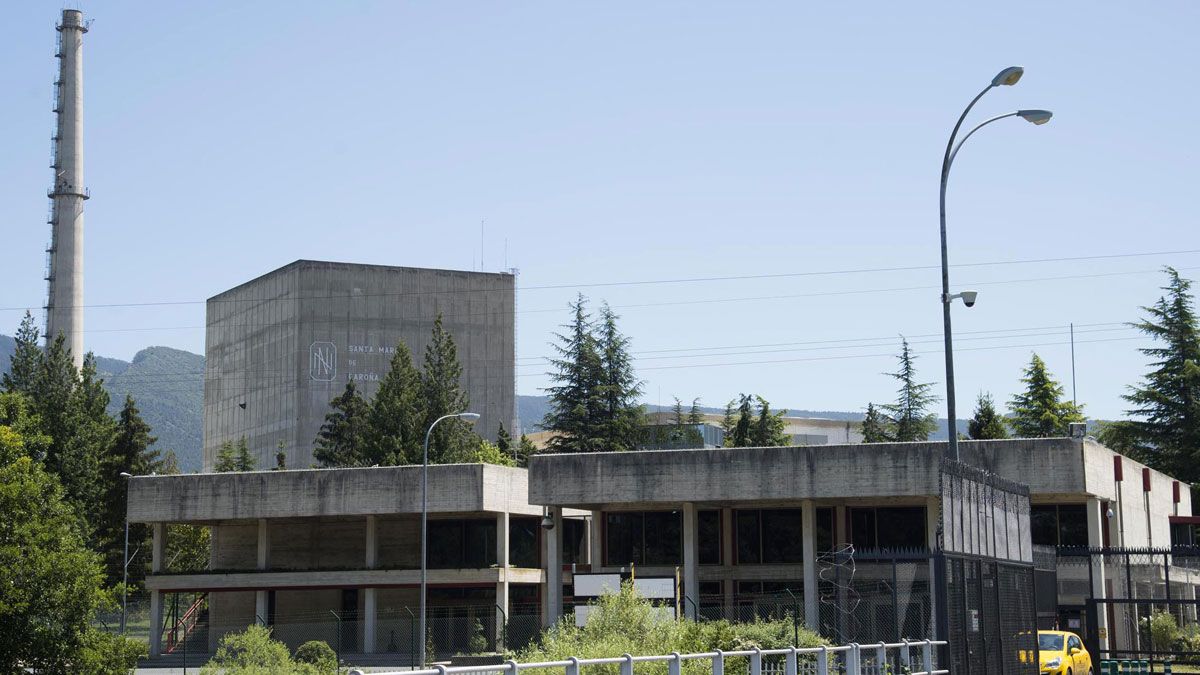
(168, 385)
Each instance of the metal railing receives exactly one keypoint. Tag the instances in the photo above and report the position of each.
(851, 659)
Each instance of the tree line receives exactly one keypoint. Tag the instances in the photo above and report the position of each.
(63, 500)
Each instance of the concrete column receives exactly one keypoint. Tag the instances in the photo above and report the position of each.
(841, 534)
(933, 519)
(502, 523)
(369, 612)
(158, 547)
(727, 560)
(264, 545)
(372, 544)
(596, 540)
(1095, 521)
(808, 516)
(553, 540)
(691, 562)
(155, 623)
(261, 607)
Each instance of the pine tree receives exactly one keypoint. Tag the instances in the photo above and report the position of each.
(525, 450)
(986, 423)
(89, 435)
(575, 405)
(729, 422)
(909, 415)
(442, 394)
(876, 427)
(620, 413)
(169, 466)
(739, 435)
(504, 440)
(26, 359)
(695, 416)
(394, 425)
(1040, 411)
(677, 416)
(245, 461)
(226, 458)
(342, 440)
(1167, 402)
(280, 456)
(768, 428)
(131, 452)
(52, 393)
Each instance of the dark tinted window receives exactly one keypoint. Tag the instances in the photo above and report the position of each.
(643, 538)
(748, 543)
(708, 526)
(781, 536)
(1043, 525)
(1072, 525)
(462, 543)
(574, 539)
(900, 527)
(523, 542)
(862, 529)
(825, 532)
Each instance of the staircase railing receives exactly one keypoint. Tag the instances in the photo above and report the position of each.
(185, 624)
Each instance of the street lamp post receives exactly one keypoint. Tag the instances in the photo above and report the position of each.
(1007, 77)
(467, 417)
(125, 476)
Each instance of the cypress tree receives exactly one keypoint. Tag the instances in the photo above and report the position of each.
(695, 416)
(909, 415)
(986, 423)
(574, 400)
(876, 427)
(131, 452)
(620, 413)
(26, 360)
(1040, 411)
(740, 437)
(1166, 434)
(768, 427)
(394, 431)
(342, 438)
(442, 394)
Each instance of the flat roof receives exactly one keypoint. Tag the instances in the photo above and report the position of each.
(1051, 467)
(304, 263)
(213, 497)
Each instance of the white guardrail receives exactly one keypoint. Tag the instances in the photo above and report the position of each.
(851, 659)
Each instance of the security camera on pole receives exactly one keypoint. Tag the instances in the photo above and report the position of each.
(1007, 77)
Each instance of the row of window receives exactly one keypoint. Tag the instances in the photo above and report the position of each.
(761, 536)
(470, 543)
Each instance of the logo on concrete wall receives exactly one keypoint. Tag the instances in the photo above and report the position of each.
(322, 361)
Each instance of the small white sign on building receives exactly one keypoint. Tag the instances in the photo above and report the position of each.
(592, 586)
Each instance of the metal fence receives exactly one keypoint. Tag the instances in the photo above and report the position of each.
(916, 658)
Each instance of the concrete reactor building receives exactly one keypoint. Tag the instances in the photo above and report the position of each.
(280, 347)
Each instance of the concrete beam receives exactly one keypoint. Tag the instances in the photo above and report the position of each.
(553, 540)
(453, 488)
(264, 544)
(155, 622)
(234, 581)
(371, 544)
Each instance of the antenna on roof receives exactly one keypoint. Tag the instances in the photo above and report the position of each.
(481, 222)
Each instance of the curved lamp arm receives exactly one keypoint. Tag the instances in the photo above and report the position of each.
(951, 148)
(1032, 116)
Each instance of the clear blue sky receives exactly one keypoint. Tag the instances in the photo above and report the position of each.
(629, 141)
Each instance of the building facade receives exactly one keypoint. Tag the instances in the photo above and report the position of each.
(280, 347)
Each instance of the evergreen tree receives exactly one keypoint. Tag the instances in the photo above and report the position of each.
(620, 413)
(442, 394)
(394, 425)
(1040, 411)
(695, 416)
(768, 427)
(876, 427)
(245, 460)
(169, 466)
(525, 450)
(504, 441)
(1166, 404)
(909, 415)
(740, 426)
(677, 416)
(575, 404)
(53, 390)
(131, 453)
(986, 423)
(280, 457)
(342, 440)
(26, 360)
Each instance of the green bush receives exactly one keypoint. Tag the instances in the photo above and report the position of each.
(319, 654)
(625, 623)
(478, 642)
(1163, 630)
(253, 652)
(107, 653)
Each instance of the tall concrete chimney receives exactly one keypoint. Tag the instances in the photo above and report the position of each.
(64, 307)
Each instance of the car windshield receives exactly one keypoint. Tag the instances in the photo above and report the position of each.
(1050, 643)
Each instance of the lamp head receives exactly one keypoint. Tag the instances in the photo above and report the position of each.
(126, 474)
(1035, 116)
(1008, 77)
(469, 417)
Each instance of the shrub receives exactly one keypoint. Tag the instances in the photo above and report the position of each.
(626, 623)
(478, 642)
(253, 652)
(319, 654)
(1163, 630)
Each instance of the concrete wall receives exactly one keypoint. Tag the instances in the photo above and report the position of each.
(286, 343)
(318, 545)
(453, 488)
(229, 612)
(234, 546)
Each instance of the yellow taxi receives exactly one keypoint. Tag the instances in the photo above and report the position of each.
(1063, 653)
